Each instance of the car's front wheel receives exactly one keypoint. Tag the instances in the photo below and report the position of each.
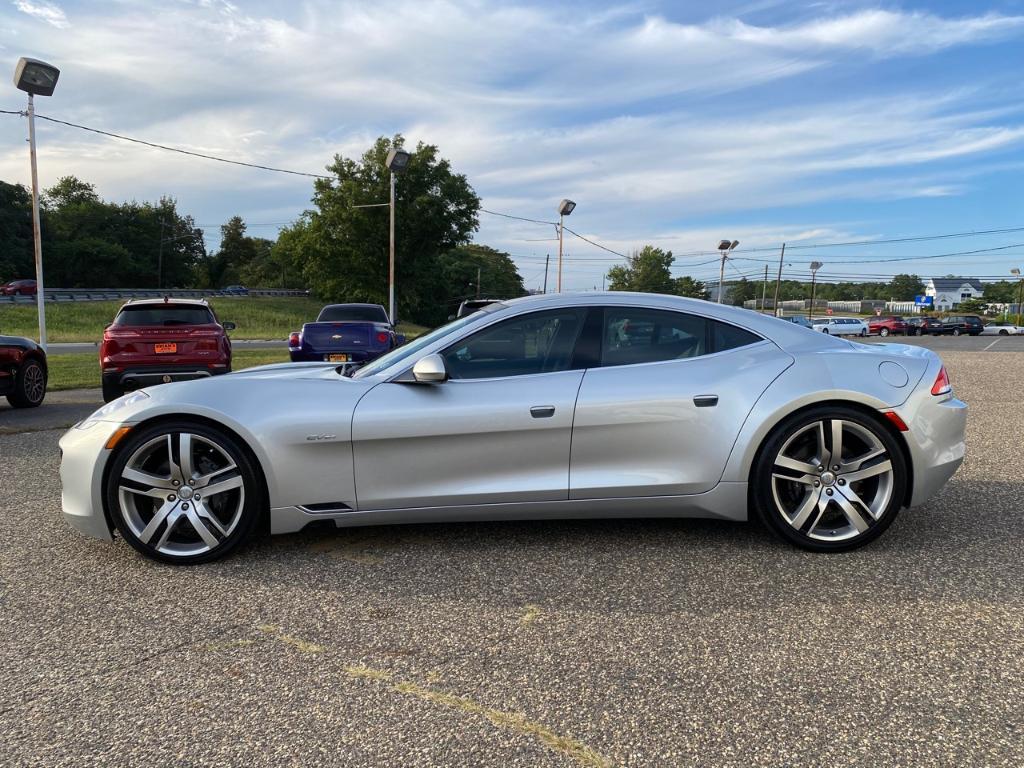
(883, 332)
(830, 479)
(183, 492)
(956, 331)
(29, 386)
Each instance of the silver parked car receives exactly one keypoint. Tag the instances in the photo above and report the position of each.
(557, 406)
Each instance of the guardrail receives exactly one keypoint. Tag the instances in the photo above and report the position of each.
(115, 294)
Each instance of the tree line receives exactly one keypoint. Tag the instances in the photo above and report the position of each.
(336, 249)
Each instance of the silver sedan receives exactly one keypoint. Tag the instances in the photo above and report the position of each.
(558, 406)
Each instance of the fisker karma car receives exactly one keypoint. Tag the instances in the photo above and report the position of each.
(558, 406)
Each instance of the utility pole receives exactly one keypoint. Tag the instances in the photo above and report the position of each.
(764, 288)
(726, 247)
(547, 261)
(561, 227)
(778, 283)
(160, 258)
(478, 282)
(815, 266)
(391, 255)
(1020, 290)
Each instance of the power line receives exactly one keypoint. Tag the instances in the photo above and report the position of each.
(178, 150)
(521, 218)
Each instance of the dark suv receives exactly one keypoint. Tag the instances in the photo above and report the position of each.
(958, 325)
(160, 340)
(923, 324)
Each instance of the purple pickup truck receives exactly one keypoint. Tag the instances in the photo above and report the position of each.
(345, 333)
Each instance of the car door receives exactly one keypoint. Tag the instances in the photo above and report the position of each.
(498, 430)
(660, 412)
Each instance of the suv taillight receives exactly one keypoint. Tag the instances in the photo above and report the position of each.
(942, 385)
(294, 340)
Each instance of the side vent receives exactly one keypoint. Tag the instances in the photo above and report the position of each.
(325, 508)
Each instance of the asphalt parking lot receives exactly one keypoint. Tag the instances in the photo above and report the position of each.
(576, 643)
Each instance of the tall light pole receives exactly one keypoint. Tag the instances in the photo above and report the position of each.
(726, 247)
(815, 266)
(397, 162)
(1020, 291)
(565, 207)
(36, 78)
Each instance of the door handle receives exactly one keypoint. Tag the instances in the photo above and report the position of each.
(542, 411)
(705, 401)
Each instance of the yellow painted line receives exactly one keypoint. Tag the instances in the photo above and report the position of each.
(530, 615)
(296, 642)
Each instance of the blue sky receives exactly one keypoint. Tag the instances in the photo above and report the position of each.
(668, 123)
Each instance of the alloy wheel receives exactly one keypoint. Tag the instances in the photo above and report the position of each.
(35, 383)
(181, 494)
(832, 480)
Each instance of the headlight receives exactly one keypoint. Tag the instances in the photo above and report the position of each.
(112, 407)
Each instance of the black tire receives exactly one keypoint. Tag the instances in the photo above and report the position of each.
(762, 489)
(825, 331)
(112, 388)
(956, 331)
(919, 332)
(863, 333)
(883, 332)
(1004, 332)
(29, 385)
(252, 501)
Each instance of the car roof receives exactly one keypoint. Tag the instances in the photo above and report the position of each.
(354, 304)
(168, 300)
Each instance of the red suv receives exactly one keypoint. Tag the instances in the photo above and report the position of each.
(155, 341)
(887, 324)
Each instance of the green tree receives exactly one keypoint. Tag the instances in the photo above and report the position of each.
(499, 277)
(236, 254)
(345, 250)
(687, 286)
(646, 271)
(972, 305)
(742, 291)
(1001, 292)
(17, 259)
(905, 287)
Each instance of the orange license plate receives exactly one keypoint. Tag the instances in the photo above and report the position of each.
(165, 349)
(338, 358)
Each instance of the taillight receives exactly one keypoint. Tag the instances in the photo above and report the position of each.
(382, 337)
(294, 340)
(942, 385)
(897, 422)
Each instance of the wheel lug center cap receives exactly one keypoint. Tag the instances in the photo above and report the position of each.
(185, 492)
(828, 478)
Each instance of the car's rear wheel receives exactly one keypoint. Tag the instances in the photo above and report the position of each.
(830, 479)
(183, 492)
(1004, 332)
(29, 386)
(956, 331)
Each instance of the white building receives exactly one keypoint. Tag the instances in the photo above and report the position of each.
(948, 292)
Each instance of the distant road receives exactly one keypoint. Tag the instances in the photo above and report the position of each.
(88, 346)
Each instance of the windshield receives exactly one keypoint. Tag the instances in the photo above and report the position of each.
(163, 314)
(414, 346)
(334, 313)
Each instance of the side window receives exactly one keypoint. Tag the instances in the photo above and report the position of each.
(649, 335)
(725, 336)
(541, 342)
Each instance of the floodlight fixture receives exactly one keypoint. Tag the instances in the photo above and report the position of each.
(398, 160)
(35, 77)
(565, 207)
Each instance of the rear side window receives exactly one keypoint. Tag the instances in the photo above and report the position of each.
(725, 337)
(163, 315)
(632, 336)
(342, 313)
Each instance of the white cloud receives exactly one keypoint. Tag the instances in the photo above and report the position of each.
(48, 12)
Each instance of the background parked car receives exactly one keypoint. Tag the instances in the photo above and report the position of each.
(923, 324)
(1002, 329)
(154, 341)
(19, 288)
(800, 320)
(236, 290)
(345, 333)
(886, 324)
(841, 326)
(958, 325)
(23, 371)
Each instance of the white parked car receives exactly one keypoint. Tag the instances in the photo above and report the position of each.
(1002, 329)
(841, 326)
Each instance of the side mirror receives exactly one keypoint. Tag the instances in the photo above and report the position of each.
(229, 326)
(399, 339)
(430, 370)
